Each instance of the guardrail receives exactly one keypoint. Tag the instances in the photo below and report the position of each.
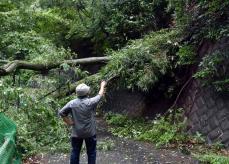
(8, 153)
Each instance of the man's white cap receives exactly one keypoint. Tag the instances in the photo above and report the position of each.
(82, 90)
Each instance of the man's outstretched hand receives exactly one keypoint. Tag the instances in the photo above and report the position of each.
(103, 84)
(102, 88)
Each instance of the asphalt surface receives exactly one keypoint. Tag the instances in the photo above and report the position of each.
(115, 150)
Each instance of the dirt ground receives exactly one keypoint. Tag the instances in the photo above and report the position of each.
(115, 150)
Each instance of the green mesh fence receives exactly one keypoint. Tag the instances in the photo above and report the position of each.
(8, 153)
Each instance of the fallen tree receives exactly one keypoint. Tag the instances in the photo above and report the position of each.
(11, 66)
(68, 89)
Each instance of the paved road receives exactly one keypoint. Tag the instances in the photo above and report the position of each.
(115, 150)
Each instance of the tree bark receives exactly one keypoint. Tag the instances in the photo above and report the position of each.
(11, 66)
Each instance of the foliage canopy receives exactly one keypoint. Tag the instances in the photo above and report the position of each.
(148, 41)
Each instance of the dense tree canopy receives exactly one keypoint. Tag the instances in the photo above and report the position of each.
(145, 44)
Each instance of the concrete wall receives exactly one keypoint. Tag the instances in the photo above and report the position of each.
(125, 102)
(136, 104)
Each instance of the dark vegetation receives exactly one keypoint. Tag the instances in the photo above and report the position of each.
(152, 44)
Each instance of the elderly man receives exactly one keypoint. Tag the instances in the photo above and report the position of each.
(82, 112)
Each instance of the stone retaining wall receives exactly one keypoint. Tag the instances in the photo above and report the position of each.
(207, 112)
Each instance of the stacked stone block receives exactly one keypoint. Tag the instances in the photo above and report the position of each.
(207, 112)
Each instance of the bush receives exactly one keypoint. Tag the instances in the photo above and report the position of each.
(160, 131)
(142, 63)
(38, 127)
(214, 70)
(32, 46)
(213, 158)
(186, 55)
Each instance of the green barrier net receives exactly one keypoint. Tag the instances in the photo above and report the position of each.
(8, 153)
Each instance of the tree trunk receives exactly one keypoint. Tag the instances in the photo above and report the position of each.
(11, 66)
